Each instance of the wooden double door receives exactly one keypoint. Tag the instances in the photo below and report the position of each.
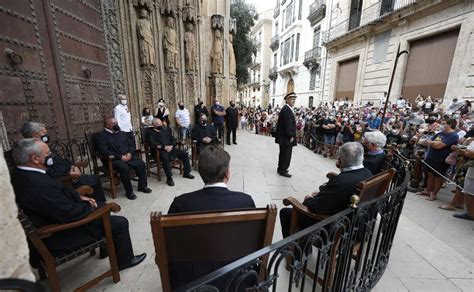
(53, 66)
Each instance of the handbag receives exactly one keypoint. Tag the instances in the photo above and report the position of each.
(452, 158)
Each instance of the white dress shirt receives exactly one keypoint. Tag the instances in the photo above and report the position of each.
(32, 169)
(216, 185)
(123, 117)
(355, 167)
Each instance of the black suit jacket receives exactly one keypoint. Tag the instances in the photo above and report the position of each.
(114, 144)
(335, 195)
(160, 139)
(198, 110)
(200, 132)
(207, 199)
(286, 127)
(232, 118)
(45, 200)
(374, 163)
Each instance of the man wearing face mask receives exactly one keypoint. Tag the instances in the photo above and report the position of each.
(199, 109)
(218, 115)
(60, 167)
(373, 122)
(124, 118)
(46, 201)
(113, 143)
(183, 121)
(232, 122)
(286, 134)
(204, 134)
(163, 140)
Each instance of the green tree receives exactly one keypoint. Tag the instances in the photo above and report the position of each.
(245, 16)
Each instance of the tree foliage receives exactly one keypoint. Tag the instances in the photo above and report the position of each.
(245, 16)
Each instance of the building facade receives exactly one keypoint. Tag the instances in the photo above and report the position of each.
(298, 57)
(364, 37)
(256, 91)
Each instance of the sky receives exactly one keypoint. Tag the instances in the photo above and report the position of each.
(262, 5)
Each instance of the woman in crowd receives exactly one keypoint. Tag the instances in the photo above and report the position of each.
(439, 149)
(147, 118)
(162, 112)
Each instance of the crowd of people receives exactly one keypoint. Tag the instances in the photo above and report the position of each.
(443, 135)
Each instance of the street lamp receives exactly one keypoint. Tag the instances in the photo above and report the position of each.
(391, 81)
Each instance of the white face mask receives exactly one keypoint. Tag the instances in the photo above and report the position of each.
(123, 101)
(161, 104)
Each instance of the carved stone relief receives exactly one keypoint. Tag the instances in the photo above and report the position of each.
(145, 40)
(148, 83)
(167, 7)
(217, 54)
(170, 45)
(189, 10)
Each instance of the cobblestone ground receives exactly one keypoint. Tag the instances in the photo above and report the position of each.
(432, 250)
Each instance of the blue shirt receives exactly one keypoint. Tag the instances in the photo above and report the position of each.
(440, 154)
(374, 123)
(218, 120)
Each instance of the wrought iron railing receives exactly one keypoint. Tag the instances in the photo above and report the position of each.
(371, 14)
(348, 251)
(275, 42)
(272, 73)
(312, 54)
(317, 11)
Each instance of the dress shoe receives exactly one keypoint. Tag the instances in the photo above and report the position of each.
(144, 190)
(228, 143)
(235, 143)
(170, 182)
(188, 175)
(103, 253)
(135, 261)
(131, 196)
(285, 174)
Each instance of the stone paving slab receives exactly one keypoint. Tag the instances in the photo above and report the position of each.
(432, 251)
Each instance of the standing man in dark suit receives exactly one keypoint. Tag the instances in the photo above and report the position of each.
(62, 167)
(204, 134)
(232, 122)
(45, 200)
(218, 115)
(199, 109)
(114, 143)
(286, 134)
(163, 140)
(334, 196)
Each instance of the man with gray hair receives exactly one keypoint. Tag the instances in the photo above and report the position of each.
(334, 196)
(61, 167)
(46, 201)
(374, 157)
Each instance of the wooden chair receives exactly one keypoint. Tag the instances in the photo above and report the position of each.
(368, 189)
(104, 170)
(152, 158)
(210, 237)
(49, 261)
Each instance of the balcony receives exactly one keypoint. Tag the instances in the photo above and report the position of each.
(276, 10)
(378, 17)
(317, 11)
(275, 43)
(272, 73)
(312, 57)
(283, 2)
(255, 63)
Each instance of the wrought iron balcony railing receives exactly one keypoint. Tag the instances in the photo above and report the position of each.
(312, 57)
(371, 15)
(317, 11)
(273, 73)
(275, 43)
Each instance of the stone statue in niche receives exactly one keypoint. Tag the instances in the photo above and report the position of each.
(230, 49)
(170, 45)
(145, 40)
(217, 55)
(190, 44)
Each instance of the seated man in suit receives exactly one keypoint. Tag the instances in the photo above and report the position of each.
(214, 171)
(163, 140)
(113, 143)
(45, 200)
(335, 195)
(374, 158)
(62, 167)
(203, 133)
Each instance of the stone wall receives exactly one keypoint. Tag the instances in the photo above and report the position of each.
(14, 253)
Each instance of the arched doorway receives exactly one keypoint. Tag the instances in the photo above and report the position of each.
(290, 87)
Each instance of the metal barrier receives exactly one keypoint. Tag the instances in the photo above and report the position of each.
(348, 251)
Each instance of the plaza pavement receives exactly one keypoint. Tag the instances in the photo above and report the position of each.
(432, 250)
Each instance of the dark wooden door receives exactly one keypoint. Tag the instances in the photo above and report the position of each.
(62, 79)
